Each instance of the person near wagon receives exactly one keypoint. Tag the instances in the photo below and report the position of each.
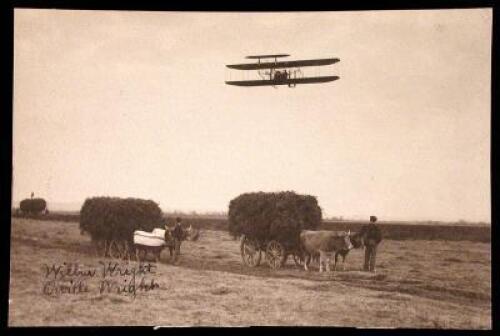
(168, 233)
(372, 237)
(178, 234)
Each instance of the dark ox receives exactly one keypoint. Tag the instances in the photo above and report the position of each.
(357, 241)
(324, 243)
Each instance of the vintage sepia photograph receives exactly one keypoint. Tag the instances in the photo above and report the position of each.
(251, 169)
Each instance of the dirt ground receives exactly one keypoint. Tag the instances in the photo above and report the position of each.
(418, 284)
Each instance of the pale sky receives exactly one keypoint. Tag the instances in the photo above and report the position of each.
(134, 104)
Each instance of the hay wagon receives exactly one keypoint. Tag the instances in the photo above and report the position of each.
(112, 221)
(270, 224)
(276, 252)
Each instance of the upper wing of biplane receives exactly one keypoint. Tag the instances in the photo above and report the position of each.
(267, 56)
(290, 81)
(283, 64)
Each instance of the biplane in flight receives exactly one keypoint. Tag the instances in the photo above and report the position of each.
(276, 72)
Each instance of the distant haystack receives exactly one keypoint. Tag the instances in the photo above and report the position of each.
(280, 216)
(33, 206)
(107, 218)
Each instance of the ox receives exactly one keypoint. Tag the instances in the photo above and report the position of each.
(157, 240)
(357, 240)
(154, 242)
(324, 243)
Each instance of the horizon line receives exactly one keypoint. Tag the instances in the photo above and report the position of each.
(191, 212)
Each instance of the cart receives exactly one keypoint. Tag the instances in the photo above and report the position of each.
(276, 252)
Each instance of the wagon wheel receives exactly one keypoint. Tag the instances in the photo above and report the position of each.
(275, 254)
(112, 250)
(124, 248)
(116, 249)
(250, 252)
(100, 247)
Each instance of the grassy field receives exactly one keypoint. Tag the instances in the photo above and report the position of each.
(418, 284)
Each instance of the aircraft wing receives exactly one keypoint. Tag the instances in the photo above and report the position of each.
(267, 82)
(267, 56)
(283, 64)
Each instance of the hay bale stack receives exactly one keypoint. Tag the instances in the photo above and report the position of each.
(279, 216)
(33, 206)
(106, 218)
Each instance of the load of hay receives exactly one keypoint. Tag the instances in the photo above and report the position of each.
(273, 216)
(33, 206)
(107, 218)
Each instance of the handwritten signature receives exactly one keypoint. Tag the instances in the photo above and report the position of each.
(71, 278)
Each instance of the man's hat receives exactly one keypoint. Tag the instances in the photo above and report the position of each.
(178, 219)
(373, 218)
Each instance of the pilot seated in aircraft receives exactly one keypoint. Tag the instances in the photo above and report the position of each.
(280, 75)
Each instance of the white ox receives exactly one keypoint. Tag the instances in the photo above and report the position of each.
(324, 243)
(153, 239)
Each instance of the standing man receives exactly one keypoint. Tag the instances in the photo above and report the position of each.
(372, 237)
(178, 235)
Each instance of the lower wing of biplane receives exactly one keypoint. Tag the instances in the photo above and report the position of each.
(288, 81)
(276, 72)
